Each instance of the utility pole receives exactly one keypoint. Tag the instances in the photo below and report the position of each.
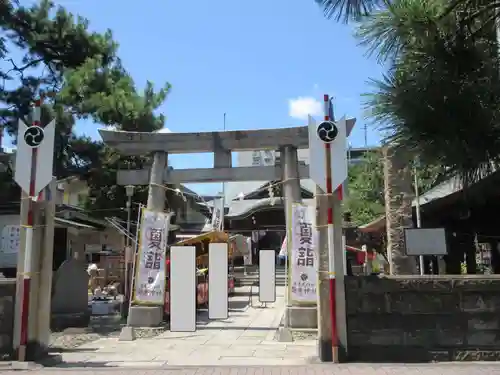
(417, 209)
(223, 202)
(324, 309)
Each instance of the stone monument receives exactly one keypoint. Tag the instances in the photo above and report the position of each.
(70, 296)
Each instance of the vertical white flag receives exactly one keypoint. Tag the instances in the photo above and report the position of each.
(218, 214)
(150, 268)
(303, 254)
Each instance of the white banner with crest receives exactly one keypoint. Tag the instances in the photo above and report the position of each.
(149, 288)
(303, 261)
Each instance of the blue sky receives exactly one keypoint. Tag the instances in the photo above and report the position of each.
(265, 63)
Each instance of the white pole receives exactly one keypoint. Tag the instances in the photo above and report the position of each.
(223, 189)
(417, 210)
(134, 261)
(128, 253)
(287, 264)
(223, 204)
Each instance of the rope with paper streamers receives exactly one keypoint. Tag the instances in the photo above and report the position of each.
(241, 195)
(184, 194)
(269, 188)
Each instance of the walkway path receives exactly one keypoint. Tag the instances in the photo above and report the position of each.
(326, 369)
(246, 338)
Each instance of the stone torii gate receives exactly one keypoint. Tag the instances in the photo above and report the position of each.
(221, 144)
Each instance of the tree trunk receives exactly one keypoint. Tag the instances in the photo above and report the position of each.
(398, 199)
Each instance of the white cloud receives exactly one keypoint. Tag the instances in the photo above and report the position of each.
(163, 130)
(303, 106)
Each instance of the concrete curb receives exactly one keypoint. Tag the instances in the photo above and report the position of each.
(51, 360)
(25, 366)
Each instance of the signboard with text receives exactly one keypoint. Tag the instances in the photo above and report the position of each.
(303, 263)
(149, 288)
(218, 214)
(11, 237)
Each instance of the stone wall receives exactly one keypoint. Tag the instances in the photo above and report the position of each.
(417, 318)
(7, 297)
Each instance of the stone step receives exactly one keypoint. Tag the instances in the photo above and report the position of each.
(252, 277)
(245, 282)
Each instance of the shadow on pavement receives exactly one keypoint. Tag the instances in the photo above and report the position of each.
(237, 305)
(108, 365)
(235, 328)
(57, 350)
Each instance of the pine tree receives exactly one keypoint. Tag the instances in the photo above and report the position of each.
(47, 51)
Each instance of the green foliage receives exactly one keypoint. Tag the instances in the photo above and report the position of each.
(389, 32)
(49, 45)
(81, 76)
(476, 13)
(365, 200)
(347, 10)
(441, 96)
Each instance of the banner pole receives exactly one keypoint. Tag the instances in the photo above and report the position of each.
(330, 231)
(134, 260)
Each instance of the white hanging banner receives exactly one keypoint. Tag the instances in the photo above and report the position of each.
(149, 288)
(303, 254)
(218, 214)
(247, 258)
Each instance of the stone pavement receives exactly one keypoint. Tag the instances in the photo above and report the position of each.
(331, 369)
(243, 344)
(245, 338)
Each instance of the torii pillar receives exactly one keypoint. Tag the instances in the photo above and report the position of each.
(150, 316)
(296, 316)
(288, 140)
